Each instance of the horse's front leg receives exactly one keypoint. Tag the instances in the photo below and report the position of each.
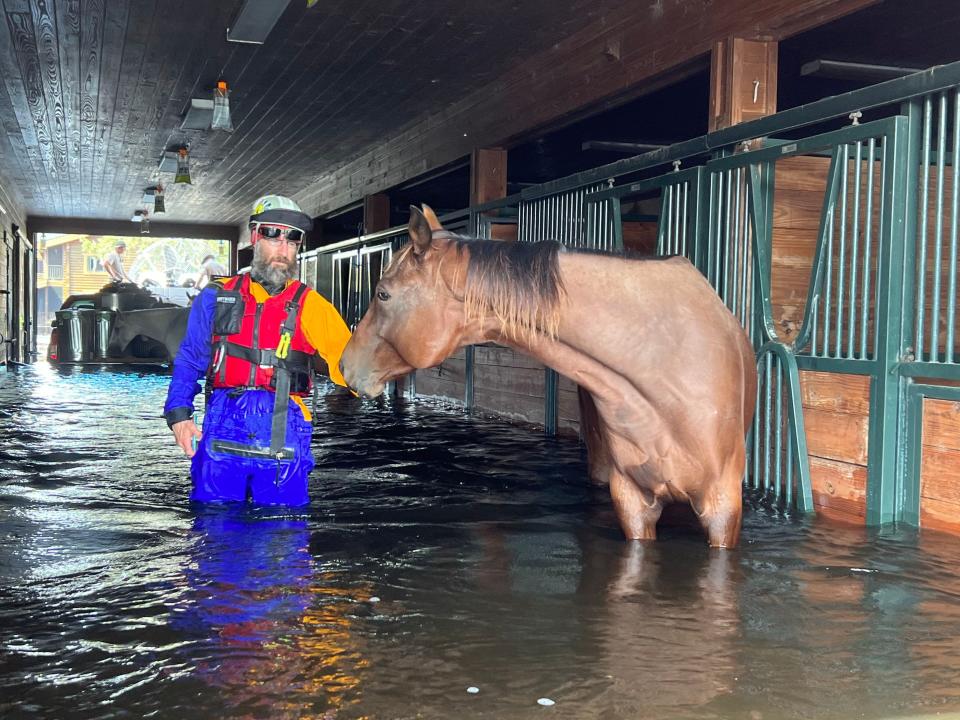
(600, 465)
(637, 509)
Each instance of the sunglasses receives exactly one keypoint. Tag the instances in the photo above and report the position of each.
(275, 235)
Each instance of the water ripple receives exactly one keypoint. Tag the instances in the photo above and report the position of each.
(439, 552)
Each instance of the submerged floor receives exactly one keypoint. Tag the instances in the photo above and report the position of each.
(440, 553)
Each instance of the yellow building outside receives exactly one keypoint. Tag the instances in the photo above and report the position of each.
(72, 265)
(65, 269)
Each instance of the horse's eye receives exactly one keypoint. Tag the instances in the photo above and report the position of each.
(383, 295)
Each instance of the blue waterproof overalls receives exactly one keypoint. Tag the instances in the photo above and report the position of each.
(233, 459)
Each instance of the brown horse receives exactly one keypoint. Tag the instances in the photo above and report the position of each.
(670, 373)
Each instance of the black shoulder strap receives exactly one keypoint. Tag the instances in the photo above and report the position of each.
(278, 429)
(289, 325)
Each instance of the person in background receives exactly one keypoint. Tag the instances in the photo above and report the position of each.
(113, 263)
(254, 337)
(210, 269)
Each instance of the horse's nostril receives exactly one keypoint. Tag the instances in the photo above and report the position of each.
(340, 365)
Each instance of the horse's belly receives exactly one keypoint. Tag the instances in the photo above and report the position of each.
(672, 457)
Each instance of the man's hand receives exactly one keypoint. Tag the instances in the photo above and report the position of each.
(184, 432)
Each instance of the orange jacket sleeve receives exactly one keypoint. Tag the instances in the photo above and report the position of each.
(326, 331)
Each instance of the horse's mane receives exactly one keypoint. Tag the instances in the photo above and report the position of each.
(518, 283)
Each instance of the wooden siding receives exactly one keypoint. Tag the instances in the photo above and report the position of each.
(14, 216)
(940, 466)
(445, 381)
(506, 382)
(800, 184)
(505, 378)
(836, 413)
(640, 237)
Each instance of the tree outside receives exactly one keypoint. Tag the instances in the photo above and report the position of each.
(166, 262)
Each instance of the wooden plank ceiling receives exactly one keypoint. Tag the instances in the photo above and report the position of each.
(93, 91)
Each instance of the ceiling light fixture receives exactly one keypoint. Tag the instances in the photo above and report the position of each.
(168, 162)
(221, 108)
(255, 20)
(183, 167)
(199, 115)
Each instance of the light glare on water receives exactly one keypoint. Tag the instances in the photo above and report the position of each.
(440, 554)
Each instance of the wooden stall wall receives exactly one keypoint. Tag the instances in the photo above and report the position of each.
(446, 381)
(940, 466)
(508, 383)
(836, 406)
(940, 439)
(836, 411)
(14, 215)
(640, 237)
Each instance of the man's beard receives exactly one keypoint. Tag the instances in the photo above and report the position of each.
(272, 276)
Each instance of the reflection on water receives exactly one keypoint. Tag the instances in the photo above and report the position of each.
(439, 552)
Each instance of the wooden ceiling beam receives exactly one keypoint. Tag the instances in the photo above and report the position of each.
(610, 60)
(159, 229)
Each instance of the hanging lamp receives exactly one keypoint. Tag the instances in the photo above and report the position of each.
(221, 108)
(158, 204)
(183, 167)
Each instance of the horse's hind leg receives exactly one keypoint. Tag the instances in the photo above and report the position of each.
(720, 508)
(637, 509)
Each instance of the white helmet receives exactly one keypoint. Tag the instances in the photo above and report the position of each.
(280, 210)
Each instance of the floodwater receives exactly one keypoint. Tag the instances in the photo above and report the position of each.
(440, 553)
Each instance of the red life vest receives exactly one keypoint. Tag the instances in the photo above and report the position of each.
(252, 340)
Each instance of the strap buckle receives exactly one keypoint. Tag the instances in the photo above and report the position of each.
(283, 347)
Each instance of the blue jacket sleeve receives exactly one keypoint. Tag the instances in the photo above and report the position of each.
(192, 359)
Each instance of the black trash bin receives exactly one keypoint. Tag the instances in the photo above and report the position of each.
(103, 326)
(75, 334)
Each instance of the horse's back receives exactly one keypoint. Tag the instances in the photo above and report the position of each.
(659, 324)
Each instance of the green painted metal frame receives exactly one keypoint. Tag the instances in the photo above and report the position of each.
(695, 206)
(886, 385)
(885, 395)
(803, 498)
(760, 188)
(916, 393)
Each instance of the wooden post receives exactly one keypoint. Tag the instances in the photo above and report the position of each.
(376, 213)
(488, 175)
(488, 181)
(743, 81)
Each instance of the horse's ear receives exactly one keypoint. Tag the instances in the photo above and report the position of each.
(419, 230)
(432, 218)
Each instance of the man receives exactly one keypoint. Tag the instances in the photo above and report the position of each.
(113, 263)
(254, 337)
(209, 269)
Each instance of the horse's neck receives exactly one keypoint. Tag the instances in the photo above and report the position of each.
(595, 307)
